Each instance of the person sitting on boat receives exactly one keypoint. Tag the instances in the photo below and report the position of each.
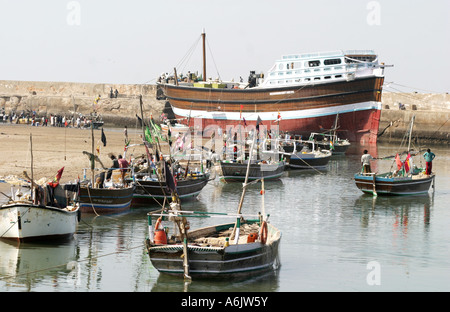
(365, 161)
(429, 156)
(114, 166)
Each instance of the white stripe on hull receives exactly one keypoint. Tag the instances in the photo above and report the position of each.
(296, 114)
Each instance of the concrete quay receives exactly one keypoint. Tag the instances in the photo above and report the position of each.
(432, 111)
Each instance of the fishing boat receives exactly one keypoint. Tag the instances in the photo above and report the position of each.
(308, 157)
(300, 93)
(243, 248)
(150, 189)
(330, 142)
(233, 171)
(24, 221)
(151, 185)
(407, 179)
(100, 196)
(36, 212)
(105, 200)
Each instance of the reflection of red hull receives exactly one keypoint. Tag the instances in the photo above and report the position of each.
(311, 108)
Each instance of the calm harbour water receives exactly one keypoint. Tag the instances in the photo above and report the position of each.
(334, 238)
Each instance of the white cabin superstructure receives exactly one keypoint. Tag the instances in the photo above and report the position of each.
(321, 67)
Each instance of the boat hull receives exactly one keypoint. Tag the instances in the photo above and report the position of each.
(309, 160)
(303, 109)
(105, 200)
(384, 185)
(235, 172)
(28, 222)
(234, 261)
(148, 192)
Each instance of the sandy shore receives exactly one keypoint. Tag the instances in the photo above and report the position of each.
(54, 148)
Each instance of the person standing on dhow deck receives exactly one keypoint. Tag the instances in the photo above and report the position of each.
(429, 156)
(365, 161)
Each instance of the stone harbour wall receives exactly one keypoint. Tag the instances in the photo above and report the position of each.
(65, 98)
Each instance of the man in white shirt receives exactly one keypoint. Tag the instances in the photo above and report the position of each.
(365, 161)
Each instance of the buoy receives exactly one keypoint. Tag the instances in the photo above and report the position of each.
(160, 237)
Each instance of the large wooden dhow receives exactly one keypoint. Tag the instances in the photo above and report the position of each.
(301, 93)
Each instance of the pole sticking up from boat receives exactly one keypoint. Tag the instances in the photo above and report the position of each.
(204, 54)
(236, 229)
(32, 171)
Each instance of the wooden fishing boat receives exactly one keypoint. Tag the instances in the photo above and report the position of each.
(96, 195)
(305, 91)
(150, 189)
(151, 184)
(234, 171)
(244, 248)
(211, 257)
(309, 160)
(105, 200)
(330, 142)
(389, 184)
(309, 157)
(406, 180)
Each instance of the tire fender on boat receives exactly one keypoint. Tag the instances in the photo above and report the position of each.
(263, 232)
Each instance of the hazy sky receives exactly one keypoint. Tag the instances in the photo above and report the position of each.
(135, 41)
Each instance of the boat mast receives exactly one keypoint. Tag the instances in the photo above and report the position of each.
(204, 54)
(32, 173)
(410, 132)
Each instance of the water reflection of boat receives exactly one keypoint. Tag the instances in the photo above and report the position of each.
(27, 264)
(267, 282)
(401, 208)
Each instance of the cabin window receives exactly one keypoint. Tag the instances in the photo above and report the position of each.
(327, 77)
(280, 66)
(314, 63)
(338, 76)
(307, 79)
(317, 78)
(332, 62)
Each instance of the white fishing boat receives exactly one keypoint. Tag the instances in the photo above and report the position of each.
(25, 221)
(39, 212)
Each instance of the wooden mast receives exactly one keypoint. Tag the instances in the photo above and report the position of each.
(204, 55)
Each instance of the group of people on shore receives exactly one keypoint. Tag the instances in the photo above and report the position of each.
(53, 120)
